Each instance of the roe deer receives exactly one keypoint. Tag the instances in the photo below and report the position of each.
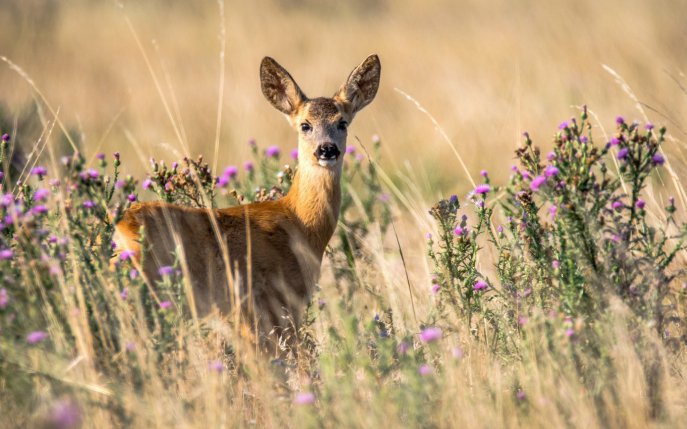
(273, 249)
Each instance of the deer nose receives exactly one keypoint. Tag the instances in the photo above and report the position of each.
(327, 151)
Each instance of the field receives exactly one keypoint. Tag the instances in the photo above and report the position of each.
(510, 250)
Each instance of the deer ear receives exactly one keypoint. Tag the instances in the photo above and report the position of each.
(362, 84)
(279, 87)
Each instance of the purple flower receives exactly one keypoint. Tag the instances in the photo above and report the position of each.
(522, 320)
(131, 197)
(127, 254)
(116, 156)
(2, 175)
(5, 137)
(584, 139)
(640, 204)
(252, 142)
(4, 298)
(537, 182)
(617, 205)
(222, 181)
(424, 370)
(146, 183)
(619, 120)
(231, 171)
(563, 125)
(431, 334)
(570, 332)
(92, 173)
(552, 211)
(294, 154)
(482, 189)
(39, 171)
(39, 209)
(64, 414)
(551, 156)
(483, 173)
(164, 305)
(403, 348)
(6, 254)
(453, 199)
(36, 337)
(350, 149)
(649, 126)
(175, 165)
(216, 365)
(614, 141)
(658, 159)
(248, 166)
(169, 187)
(480, 285)
(88, 204)
(551, 171)
(459, 231)
(304, 398)
(133, 273)
(272, 152)
(428, 236)
(124, 294)
(119, 184)
(555, 264)
(166, 271)
(100, 156)
(7, 200)
(41, 194)
(520, 394)
(435, 288)
(622, 153)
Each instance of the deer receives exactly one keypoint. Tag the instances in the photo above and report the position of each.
(262, 258)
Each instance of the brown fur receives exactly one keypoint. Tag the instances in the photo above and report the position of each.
(274, 249)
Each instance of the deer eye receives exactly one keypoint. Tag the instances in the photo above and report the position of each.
(305, 127)
(342, 125)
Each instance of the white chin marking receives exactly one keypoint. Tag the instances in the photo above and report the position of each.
(327, 162)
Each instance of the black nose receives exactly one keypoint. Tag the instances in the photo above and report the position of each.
(327, 151)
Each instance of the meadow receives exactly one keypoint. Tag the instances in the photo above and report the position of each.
(511, 245)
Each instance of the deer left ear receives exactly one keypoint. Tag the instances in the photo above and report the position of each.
(361, 86)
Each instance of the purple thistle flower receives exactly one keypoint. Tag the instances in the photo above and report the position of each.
(41, 194)
(248, 166)
(166, 271)
(39, 171)
(435, 288)
(453, 199)
(88, 204)
(64, 414)
(119, 184)
(92, 173)
(520, 394)
(459, 231)
(124, 294)
(294, 154)
(480, 285)
(100, 156)
(563, 125)
(431, 334)
(622, 153)
(350, 149)
(216, 365)
(252, 142)
(570, 332)
(36, 337)
(522, 320)
(640, 204)
(164, 305)
(551, 171)
(555, 264)
(272, 152)
(499, 229)
(131, 197)
(231, 171)
(649, 126)
(127, 254)
(304, 398)
(39, 209)
(658, 159)
(617, 205)
(584, 139)
(551, 156)
(614, 141)
(6, 254)
(5, 137)
(619, 120)
(146, 183)
(483, 173)
(482, 189)
(4, 298)
(428, 236)
(223, 181)
(133, 273)
(169, 187)
(552, 211)
(175, 165)
(403, 348)
(424, 370)
(537, 182)
(7, 200)
(116, 156)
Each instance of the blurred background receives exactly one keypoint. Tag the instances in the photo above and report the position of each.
(143, 78)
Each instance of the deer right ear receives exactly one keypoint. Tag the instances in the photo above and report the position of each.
(279, 87)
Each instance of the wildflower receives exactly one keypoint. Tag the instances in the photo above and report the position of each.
(133, 274)
(39, 171)
(166, 271)
(130, 346)
(522, 320)
(304, 398)
(64, 414)
(92, 173)
(537, 182)
(6, 254)
(614, 141)
(617, 206)
(126, 254)
(350, 149)
(248, 166)
(480, 285)
(520, 394)
(482, 189)
(5, 137)
(164, 305)
(403, 348)
(453, 199)
(294, 154)
(222, 181)
(39, 209)
(457, 352)
(499, 229)
(435, 288)
(431, 334)
(459, 231)
(570, 332)
(619, 120)
(555, 264)
(649, 126)
(116, 156)
(131, 197)
(272, 152)
(658, 159)
(483, 173)
(640, 204)
(4, 298)
(119, 184)
(100, 156)
(622, 153)
(551, 156)
(584, 139)
(124, 294)
(146, 183)
(428, 236)
(2, 175)
(41, 194)
(551, 171)
(169, 187)
(231, 171)
(88, 204)
(36, 337)
(425, 370)
(563, 125)
(552, 211)
(54, 182)
(216, 365)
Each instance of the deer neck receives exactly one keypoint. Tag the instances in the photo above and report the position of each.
(315, 199)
